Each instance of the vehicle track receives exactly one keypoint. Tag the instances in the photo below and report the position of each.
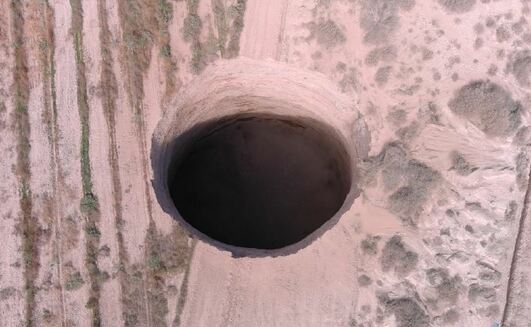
(30, 229)
(517, 299)
(55, 169)
(109, 96)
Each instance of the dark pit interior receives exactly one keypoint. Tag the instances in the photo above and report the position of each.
(260, 182)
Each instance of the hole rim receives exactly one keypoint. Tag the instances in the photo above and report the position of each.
(244, 85)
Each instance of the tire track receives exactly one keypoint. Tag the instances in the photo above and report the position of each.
(74, 275)
(29, 228)
(109, 90)
(138, 20)
(12, 282)
(50, 111)
(148, 17)
(282, 30)
(514, 293)
(264, 25)
(183, 292)
(89, 203)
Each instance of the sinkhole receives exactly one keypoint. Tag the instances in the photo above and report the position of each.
(258, 158)
(259, 181)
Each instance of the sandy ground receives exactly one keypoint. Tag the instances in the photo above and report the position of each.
(431, 240)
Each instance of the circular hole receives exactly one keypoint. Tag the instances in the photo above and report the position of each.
(259, 181)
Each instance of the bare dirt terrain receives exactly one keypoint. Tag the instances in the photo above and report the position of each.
(431, 99)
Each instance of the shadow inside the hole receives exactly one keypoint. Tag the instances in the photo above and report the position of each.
(163, 161)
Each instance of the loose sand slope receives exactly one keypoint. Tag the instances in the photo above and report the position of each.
(443, 87)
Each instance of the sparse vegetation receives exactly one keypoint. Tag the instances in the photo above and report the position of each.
(409, 181)
(155, 263)
(350, 81)
(488, 106)
(397, 116)
(408, 133)
(370, 245)
(396, 257)
(218, 9)
(191, 33)
(134, 313)
(521, 168)
(89, 202)
(74, 282)
(192, 23)
(47, 54)
(164, 17)
(143, 22)
(166, 254)
(520, 67)
(229, 25)
(184, 288)
(380, 19)
(450, 317)
(382, 75)
(457, 6)
(478, 292)
(460, 164)
(488, 273)
(89, 199)
(29, 228)
(7, 292)
(386, 54)
(364, 281)
(502, 34)
(448, 288)
(236, 13)
(2, 116)
(523, 136)
(510, 211)
(326, 33)
(92, 231)
(407, 311)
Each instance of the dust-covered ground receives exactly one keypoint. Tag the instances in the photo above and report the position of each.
(440, 234)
